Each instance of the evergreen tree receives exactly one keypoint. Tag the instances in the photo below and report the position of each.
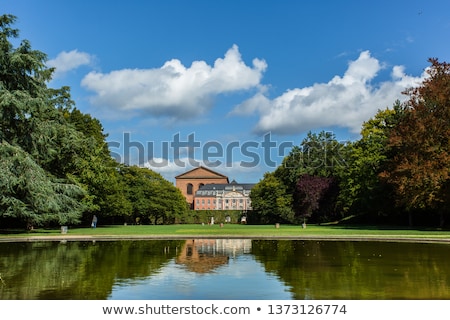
(29, 196)
(33, 136)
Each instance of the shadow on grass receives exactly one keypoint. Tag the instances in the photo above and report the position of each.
(22, 231)
(386, 227)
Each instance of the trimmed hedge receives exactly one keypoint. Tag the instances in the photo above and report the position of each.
(204, 216)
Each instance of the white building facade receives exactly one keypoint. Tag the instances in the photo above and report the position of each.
(232, 196)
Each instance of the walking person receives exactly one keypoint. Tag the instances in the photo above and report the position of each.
(94, 222)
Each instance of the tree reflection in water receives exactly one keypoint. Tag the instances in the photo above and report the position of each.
(224, 269)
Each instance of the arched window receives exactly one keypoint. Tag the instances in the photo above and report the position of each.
(189, 188)
(200, 185)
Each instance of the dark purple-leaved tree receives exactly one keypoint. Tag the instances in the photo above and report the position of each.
(312, 194)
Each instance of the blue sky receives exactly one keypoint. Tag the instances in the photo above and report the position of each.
(232, 84)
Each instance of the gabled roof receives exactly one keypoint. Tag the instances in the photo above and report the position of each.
(201, 173)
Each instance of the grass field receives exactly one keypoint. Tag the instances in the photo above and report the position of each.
(234, 230)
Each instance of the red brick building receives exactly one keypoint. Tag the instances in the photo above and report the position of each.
(206, 189)
(190, 181)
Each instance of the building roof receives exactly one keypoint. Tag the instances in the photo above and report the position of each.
(225, 187)
(201, 173)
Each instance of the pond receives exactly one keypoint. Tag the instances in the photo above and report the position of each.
(223, 269)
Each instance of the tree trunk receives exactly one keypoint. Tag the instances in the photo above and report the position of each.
(441, 219)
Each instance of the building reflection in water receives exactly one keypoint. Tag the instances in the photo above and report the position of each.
(205, 255)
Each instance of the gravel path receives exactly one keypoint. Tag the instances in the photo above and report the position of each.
(66, 237)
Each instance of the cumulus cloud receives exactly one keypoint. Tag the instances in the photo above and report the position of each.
(344, 101)
(67, 61)
(174, 90)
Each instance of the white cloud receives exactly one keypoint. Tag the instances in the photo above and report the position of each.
(174, 90)
(345, 101)
(67, 61)
(168, 169)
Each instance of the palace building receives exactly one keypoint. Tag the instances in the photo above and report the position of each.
(205, 189)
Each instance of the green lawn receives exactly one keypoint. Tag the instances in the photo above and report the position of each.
(235, 230)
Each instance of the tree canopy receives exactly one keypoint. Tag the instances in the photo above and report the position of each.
(31, 132)
(55, 165)
(400, 165)
(419, 166)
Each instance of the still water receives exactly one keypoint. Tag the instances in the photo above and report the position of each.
(224, 269)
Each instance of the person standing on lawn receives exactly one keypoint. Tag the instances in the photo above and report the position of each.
(94, 222)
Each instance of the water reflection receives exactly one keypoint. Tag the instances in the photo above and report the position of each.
(208, 269)
(358, 270)
(205, 255)
(76, 270)
(224, 269)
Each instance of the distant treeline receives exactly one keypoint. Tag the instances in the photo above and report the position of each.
(56, 168)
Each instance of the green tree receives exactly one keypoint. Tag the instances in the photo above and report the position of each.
(95, 170)
(361, 189)
(271, 200)
(319, 154)
(154, 199)
(34, 137)
(30, 196)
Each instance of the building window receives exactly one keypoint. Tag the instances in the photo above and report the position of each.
(189, 188)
